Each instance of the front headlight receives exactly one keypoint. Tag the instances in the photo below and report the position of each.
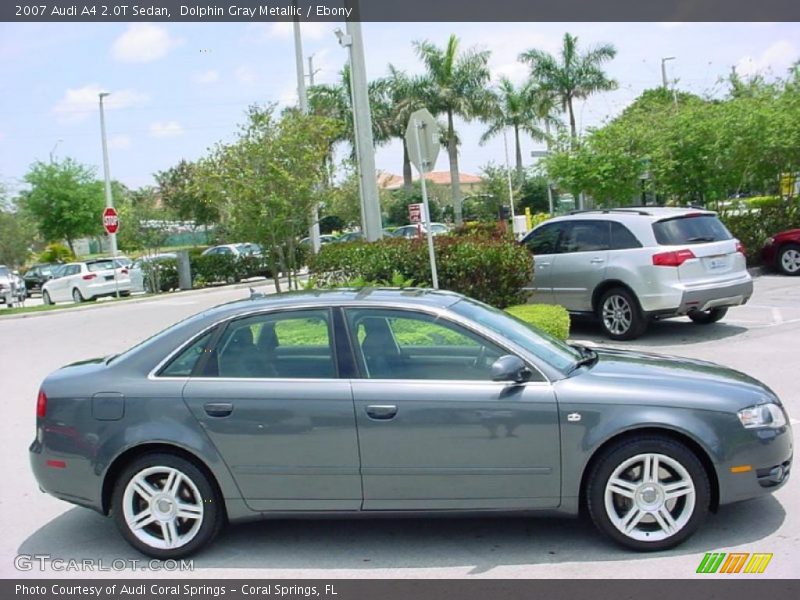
(764, 415)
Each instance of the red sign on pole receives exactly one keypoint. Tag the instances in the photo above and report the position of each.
(415, 213)
(110, 220)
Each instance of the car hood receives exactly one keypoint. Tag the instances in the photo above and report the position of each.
(673, 380)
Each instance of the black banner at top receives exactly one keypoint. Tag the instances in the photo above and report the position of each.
(399, 10)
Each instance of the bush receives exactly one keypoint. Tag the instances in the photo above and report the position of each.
(551, 319)
(493, 271)
(160, 275)
(753, 227)
(226, 268)
(56, 253)
(485, 229)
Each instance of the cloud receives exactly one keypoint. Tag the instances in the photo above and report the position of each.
(143, 42)
(246, 75)
(260, 33)
(777, 58)
(210, 76)
(119, 142)
(165, 129)
(79, 103)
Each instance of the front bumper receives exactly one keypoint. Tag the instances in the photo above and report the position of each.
(768, 453)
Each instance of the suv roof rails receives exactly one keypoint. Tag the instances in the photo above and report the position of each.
(610, 210)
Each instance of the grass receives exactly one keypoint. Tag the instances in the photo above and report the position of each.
(45, 308)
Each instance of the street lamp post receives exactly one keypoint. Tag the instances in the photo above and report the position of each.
(112, 237)
(664, 60)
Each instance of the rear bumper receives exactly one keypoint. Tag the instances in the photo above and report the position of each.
(678, 299)
(65, 477)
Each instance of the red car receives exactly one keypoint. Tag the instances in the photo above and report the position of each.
(782, 251)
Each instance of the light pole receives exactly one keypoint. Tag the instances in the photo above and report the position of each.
(664, 60)
(112, 237)
(362, 121)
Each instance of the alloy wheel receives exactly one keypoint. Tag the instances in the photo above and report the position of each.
(790, 260)
(617, 314)
(163, 507)
(650, 497)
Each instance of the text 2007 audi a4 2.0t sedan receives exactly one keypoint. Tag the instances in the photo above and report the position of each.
(398, 402)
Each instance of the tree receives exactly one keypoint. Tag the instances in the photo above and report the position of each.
(181, 193)
(16, 232)
(514, 107)
(455, 84)
(572, 75)
(65, 200)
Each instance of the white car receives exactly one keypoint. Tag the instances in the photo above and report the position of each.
(88, 280)
(237, 250)
(12, 287)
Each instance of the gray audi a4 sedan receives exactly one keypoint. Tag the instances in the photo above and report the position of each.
(397, 402)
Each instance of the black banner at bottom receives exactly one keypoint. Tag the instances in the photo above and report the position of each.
(373, 589)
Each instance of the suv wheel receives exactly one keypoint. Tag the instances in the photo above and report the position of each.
(789, 259)
(620, 315)
(648, 493)
(705, 317)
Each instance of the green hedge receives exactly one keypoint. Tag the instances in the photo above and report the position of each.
(226, 268)
(753, 227)
(552, 319)
(491, 270)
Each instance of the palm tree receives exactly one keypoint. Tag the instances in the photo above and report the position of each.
(571, 75)
(514, 107)
(455, 84)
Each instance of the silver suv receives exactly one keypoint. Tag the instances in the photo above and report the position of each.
(630, 265)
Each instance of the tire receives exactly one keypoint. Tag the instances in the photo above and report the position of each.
(77, 297)
(789, 259)
(194, 489)
(124, 294)
(706, 317)
(46, 298)
(620, 315)
(659, 522)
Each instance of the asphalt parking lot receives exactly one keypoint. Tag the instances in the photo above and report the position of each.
(760, 339)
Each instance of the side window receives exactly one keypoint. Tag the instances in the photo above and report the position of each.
(183, 364)
(622, 238)
(296, 345)
(417, 346)
(545, 239)
(585, 236)
(72, 270)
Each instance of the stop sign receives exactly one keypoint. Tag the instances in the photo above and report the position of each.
(110, 220)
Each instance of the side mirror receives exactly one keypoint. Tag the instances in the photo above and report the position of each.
(510, 368)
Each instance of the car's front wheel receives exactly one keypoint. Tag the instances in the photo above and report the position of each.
(46, 298)
(789, 259)
(166, 507)
(706, 317)
(620, 315)
(648, 493)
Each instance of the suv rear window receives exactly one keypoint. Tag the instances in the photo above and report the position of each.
(696, 229)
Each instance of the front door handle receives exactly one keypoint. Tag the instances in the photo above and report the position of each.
(381, 412)
(597, 261)
(218, 409)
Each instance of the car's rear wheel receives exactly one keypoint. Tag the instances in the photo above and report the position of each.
(706, 317)
(77, 297)
(166, 507)
(620, 315)
(789, 259)
(649, 493)
(46, 298)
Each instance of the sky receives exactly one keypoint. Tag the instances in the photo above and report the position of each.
(179, 88)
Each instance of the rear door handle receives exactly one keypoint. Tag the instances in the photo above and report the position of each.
(381, 412)
(597, 261)
(218, 409)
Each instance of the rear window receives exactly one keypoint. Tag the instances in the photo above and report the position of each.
(690, 230)
(101, 265)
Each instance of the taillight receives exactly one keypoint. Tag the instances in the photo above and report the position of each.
(89, 276)
(41, 405)
(740, 248)
(672, 259)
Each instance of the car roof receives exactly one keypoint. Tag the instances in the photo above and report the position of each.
(653, 213)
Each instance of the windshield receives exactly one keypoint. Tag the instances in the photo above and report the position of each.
(692, 229)
(542, 345)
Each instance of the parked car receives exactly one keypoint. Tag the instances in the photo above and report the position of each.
(782, 252)
(37, 275)
(350, 236)
(12, 287)
(88, 280)
(412, 231)
(140, 282)
(630, 266)
(365, 402)
(244, 249)
(323, 239)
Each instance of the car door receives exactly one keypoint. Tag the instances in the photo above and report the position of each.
(269, 396)
(581, 264)
(60, 289)
(435, 432)
(543, 242)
